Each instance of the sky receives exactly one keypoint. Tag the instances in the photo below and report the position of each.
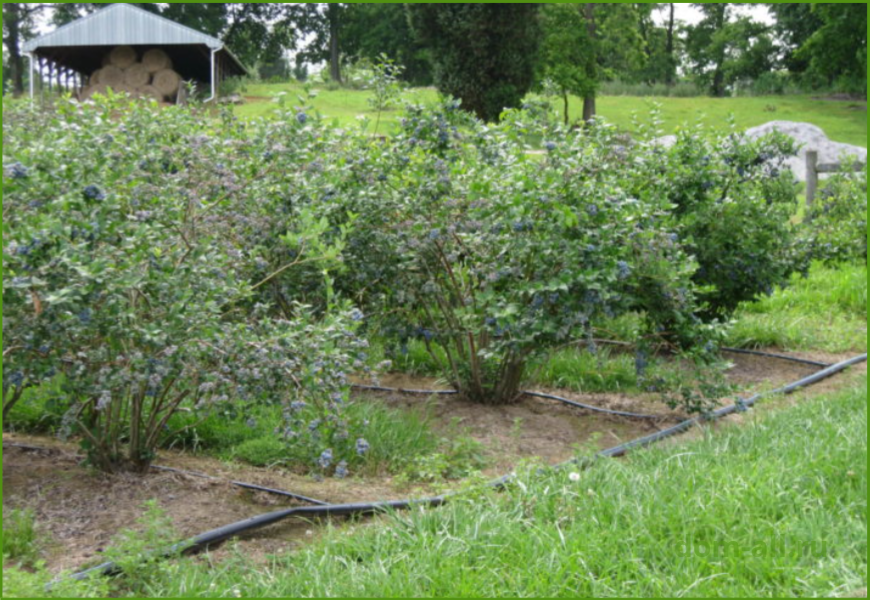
(687, 13)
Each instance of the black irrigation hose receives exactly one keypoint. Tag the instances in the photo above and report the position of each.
(244, 485)
(607, 411)
(233, 529)
(739, 406)
(220, 534)
(796, 359)
(241, 484)
(378, 388)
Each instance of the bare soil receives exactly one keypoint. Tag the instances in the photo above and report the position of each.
(79, 510)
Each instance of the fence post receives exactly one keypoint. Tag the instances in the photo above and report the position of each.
(812, 175)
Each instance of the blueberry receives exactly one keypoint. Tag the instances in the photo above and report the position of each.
(362, 446)
(301, 118)
(92, 192)
(325, 458)
(550, 146)
(624, 269)
(19, 171)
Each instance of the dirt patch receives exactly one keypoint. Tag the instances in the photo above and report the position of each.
(78, 510)
(532, 427)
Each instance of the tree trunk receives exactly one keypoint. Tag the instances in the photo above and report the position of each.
(669, 47)
(334, 55)
(589, 99)
(12, 16)
(565, 101)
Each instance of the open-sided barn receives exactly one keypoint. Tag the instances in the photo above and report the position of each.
(129, 49)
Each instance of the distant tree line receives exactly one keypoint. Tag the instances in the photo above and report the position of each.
(491, 55)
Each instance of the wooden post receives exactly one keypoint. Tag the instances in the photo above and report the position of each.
(812, 176)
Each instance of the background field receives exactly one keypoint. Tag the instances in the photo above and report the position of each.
(842, 121)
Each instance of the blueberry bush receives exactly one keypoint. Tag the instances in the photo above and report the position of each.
(836, 223)
(732, 203)
(142, 271)
(467, 243)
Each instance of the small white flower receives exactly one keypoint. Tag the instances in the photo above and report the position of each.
(575, 477)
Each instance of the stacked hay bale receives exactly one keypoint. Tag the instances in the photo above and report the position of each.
(152, 77)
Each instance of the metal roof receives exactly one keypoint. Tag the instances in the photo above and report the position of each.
(122, 24)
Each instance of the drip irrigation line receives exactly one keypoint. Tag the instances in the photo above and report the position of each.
(739, 406)
(241, 484)
(607, 411)
(227, 531)
(378, 388)
(796, 359)
(244, 485)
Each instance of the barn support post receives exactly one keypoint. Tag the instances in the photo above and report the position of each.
(213, 75)
(30, 82)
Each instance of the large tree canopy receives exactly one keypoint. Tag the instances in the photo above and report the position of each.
(483, 54)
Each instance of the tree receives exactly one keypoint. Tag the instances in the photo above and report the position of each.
(659, 44)
(483, 54)
(723, 50)
(323, 23)
(836, 52)
(369, 30)
(18, 24)
(567, 58)
(794, 25)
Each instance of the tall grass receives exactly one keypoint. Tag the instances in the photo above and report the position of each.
(19, 536)
(825, 311)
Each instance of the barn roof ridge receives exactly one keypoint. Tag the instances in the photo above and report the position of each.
(204, 38)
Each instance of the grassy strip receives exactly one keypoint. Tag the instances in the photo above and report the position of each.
(841, 121)
(774, 508)
(825, 311)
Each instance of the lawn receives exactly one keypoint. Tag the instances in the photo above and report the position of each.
(842, 121)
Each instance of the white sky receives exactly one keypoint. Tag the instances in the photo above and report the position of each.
(690, 15)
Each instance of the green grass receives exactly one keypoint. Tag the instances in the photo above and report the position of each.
(841, 121)
(774, 508)
(396, 438)
(19, 537)
(825, 311)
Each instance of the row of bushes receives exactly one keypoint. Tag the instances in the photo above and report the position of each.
(160, 259)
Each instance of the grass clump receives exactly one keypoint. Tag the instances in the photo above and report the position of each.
(19, 536)
(824, 311)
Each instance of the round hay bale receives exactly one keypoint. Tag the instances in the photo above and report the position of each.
(122, 56)
(151, 92)
(136, 75)
(156, 60)
(94, 77)
(167, 81)
(97, 88)
(112, 76)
